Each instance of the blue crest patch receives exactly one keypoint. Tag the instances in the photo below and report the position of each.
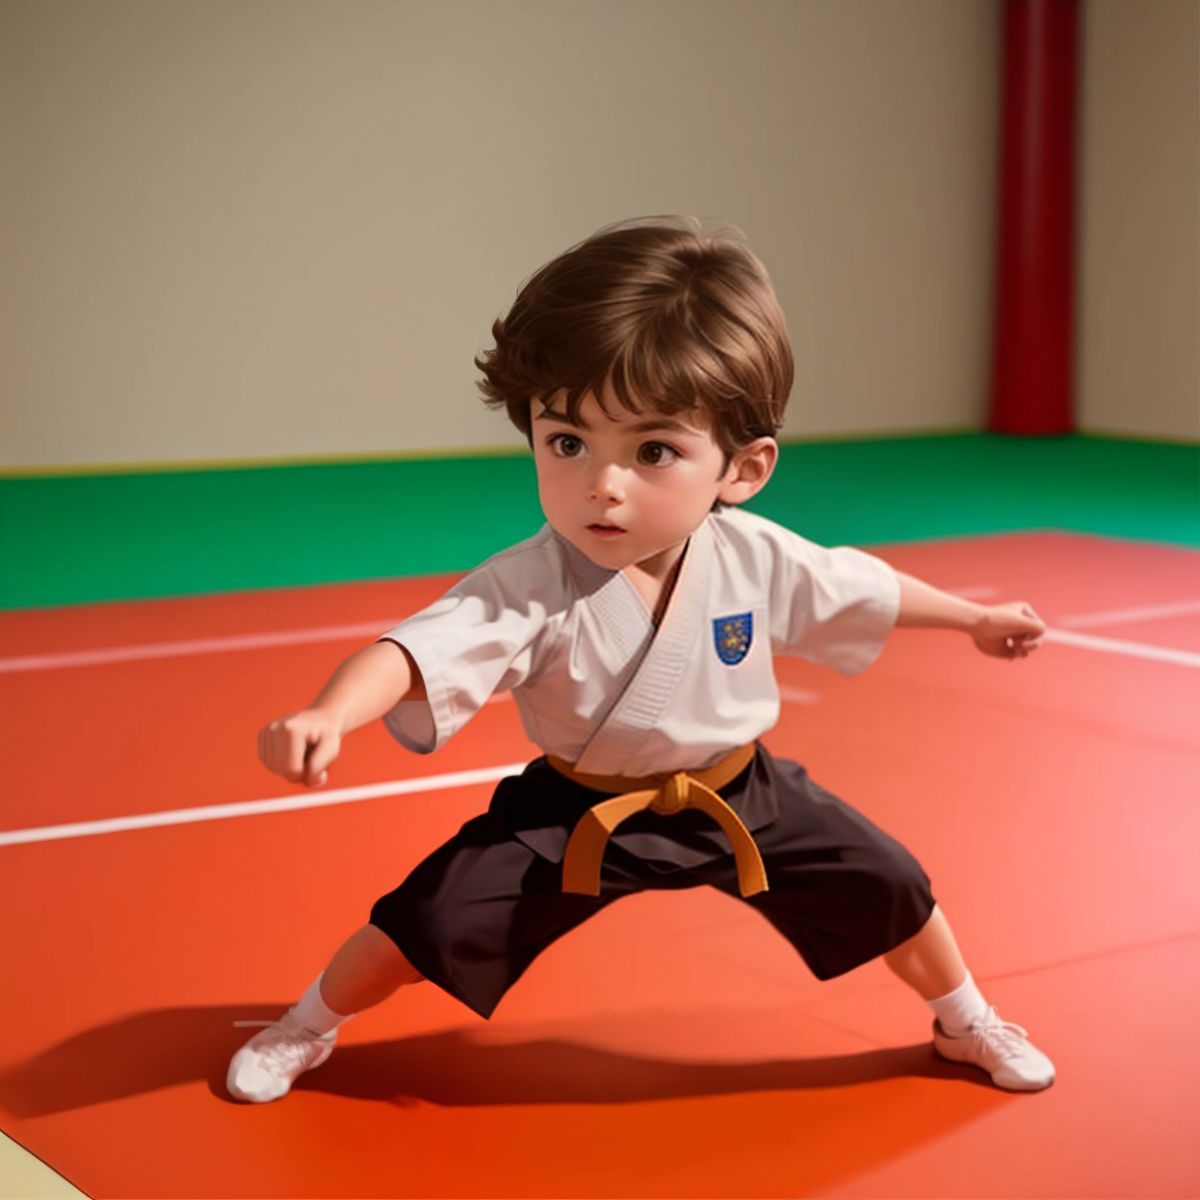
(733, 636)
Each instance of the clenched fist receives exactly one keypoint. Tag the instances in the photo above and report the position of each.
(300, 747)
(1008, 630)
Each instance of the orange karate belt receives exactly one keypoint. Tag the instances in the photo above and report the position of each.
(666, 794)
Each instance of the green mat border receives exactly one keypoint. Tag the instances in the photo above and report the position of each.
(71, 537)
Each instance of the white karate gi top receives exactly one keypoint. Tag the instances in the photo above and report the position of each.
(593, 680)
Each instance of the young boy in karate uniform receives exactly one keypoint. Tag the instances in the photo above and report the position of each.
(649, 367)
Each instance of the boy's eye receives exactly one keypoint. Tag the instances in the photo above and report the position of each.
(656, 454)
(565, 445)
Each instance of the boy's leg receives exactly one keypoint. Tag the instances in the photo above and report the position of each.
(930, 961)
(967, 1029)
(365, 971)
(844, 892)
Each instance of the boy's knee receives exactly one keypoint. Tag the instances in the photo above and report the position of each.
(387, 957)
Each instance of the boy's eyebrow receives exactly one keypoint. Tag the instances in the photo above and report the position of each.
(666, 423)
(654, 423)
(548, 414)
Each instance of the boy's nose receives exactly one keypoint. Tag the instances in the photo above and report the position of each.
(607, 485)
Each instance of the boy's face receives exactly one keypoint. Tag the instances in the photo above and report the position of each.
(624, 487)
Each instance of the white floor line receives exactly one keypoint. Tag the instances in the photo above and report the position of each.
(1084, 641)
(244, 641)
(250, 808)
(315, 799)
(1118, 616)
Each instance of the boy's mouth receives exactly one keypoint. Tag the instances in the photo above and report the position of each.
(605, 529)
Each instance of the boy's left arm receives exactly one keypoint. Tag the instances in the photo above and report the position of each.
(1004, 630)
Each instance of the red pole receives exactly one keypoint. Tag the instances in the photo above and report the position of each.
(1032, 352)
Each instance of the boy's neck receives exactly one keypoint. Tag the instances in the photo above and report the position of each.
(654, 578)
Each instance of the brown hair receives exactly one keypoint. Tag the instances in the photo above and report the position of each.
(672, 318)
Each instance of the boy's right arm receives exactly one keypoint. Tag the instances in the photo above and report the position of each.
(368, 684)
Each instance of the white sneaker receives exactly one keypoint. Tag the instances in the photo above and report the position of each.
(1000, 1048)
(269, 1063)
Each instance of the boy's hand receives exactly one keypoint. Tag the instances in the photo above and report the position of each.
(301, 746)
(1008, 630)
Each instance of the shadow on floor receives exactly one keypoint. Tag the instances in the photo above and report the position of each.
(154, 1050)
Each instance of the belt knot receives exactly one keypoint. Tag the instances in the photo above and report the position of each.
(666, 796)
(673, 795)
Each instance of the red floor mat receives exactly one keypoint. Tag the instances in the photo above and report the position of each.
(674, 1045)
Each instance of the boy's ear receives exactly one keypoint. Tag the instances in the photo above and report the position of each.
(748, 471)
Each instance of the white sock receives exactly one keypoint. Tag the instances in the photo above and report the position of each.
(313, 1012)
(959, 1008)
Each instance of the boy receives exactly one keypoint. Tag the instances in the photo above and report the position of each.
(649, 367)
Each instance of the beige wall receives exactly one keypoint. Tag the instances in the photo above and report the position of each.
(1138, 340)
(260, 228)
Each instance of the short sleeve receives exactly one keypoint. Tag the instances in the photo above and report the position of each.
(481, 637)
(834, 606)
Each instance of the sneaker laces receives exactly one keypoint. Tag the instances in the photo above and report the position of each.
(288, 1046)
(1004, 1037)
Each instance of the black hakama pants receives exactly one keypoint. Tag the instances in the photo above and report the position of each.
(475, 914)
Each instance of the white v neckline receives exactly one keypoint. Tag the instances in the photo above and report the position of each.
(646, 690)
